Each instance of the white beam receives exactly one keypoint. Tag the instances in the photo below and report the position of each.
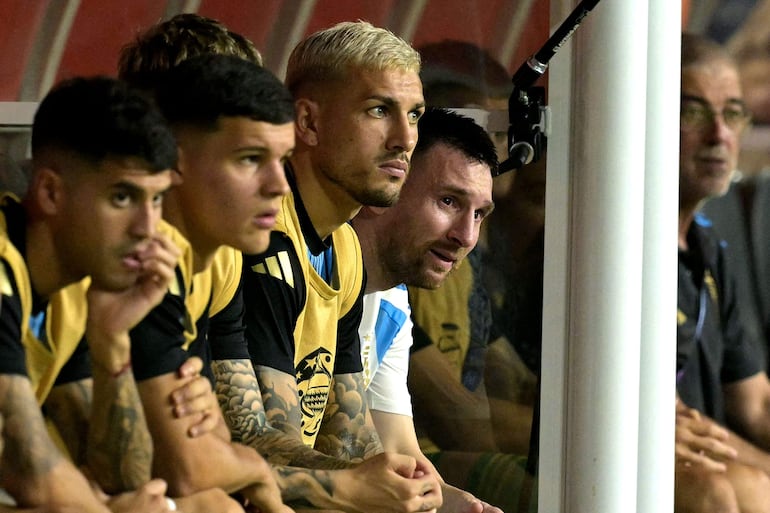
(595, 204)
(659, 288)
(174, 7)
(510, 25)
(48, 48)
(404, 17)
(288, 30)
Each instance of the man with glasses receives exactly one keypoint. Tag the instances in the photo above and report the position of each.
(720, 379)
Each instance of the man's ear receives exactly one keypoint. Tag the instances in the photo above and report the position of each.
(48, 189)
(306, 126)
(181, 164)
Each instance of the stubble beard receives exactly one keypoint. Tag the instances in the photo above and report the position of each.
(356, 185)
(410, 269)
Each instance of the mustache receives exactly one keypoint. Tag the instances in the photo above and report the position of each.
(713, 154)
(454, 252)
(402, 156)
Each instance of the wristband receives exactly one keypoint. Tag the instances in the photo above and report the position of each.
(114, 375)
(122, 370)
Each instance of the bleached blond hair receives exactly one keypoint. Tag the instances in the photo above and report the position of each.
(331, 53)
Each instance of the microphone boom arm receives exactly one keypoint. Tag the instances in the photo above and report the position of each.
(528, 116)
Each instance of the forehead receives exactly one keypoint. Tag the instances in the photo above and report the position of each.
(243, 132)
(716, 81)
(112, 172)
(403, 86)
(444, 168)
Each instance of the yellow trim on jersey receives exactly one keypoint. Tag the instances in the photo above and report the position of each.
(226, 274)
(65, 318)
(315, 332)
(215, 286)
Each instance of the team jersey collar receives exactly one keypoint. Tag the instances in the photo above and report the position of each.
(315, 244)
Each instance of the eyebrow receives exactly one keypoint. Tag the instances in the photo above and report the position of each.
(488, 209)
(390, 102)
(703, 101)
(135, 190)
(463, 193)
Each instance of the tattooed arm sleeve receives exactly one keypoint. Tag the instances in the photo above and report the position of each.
(68, 404)
(347, 430)
(241, 400)
(32, 469)
(101, 421)
(120, 448)
(385, 482)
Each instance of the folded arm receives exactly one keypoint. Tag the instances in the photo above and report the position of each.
(194, 464)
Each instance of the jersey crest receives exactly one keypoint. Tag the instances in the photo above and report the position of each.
(314, 377)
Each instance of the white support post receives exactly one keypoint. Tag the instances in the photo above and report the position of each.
(601, 277)
(658, 355)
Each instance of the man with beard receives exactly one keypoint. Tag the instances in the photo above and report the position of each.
(358, 98)
(81, 255)
(419, 242)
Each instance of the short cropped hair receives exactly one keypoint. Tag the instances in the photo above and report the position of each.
(455, 73)
(201, 90)
(331, 53)
(166, 44)
(697, 49)
(102, 118)
(443, 126)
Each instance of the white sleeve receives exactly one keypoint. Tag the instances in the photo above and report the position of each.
(387, 389)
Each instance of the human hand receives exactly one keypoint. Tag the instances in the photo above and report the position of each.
(460, 501)
(265, 496)
(700, 441)
(391, 483)
(195, 399)
(149, 498)
(207, 501)
(112, 313)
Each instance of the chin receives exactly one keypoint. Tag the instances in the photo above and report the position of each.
(255, 246)
(429, 282)
(115, 282)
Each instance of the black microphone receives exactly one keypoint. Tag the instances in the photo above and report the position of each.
(527, 112)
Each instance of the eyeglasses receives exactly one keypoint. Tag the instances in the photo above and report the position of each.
(696, 115)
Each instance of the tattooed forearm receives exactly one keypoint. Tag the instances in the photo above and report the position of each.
(119, 444)
(345, 432)
(301, 488)
(28, 453)
(69, 406)
(280, 400)
(240, 398)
